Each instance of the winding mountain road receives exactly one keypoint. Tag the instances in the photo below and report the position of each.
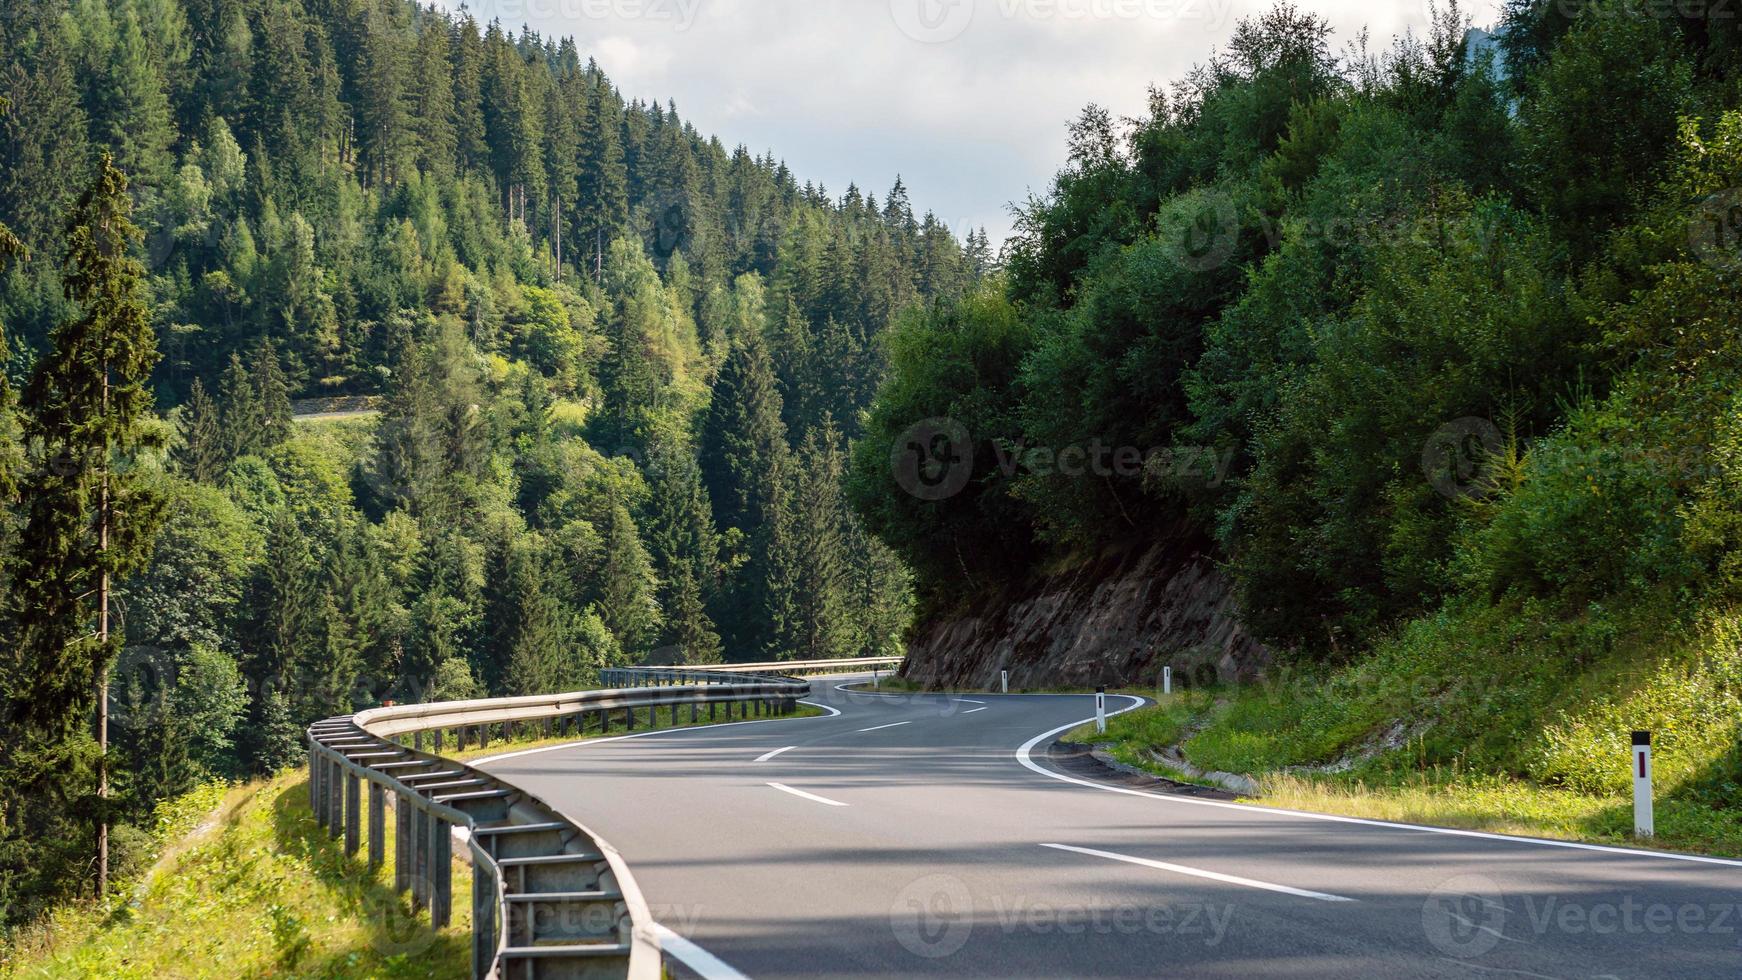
(931, 835)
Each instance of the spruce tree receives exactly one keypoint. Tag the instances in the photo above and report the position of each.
(432, 98)
(271, 396)
(743, 437)
(239, 410)
(690, 629)
(818, 516)
(91, 517)
(603, 195)
(627, 596)
(202, 456)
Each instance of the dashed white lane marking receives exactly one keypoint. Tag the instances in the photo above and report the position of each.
(814, 798)
(764, 757)
(1024, 755)
(972, 710)
(967, 701)
(1200, 873)
(879, 728)
(705, 964)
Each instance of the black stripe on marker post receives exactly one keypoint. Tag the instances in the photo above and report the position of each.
(1641, 739)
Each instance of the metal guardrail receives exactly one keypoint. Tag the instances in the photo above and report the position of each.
(550, 899)
(734, 673)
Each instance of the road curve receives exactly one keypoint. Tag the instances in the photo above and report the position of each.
(914, 836)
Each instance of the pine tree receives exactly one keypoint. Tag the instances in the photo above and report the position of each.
(239, 411)
(471, 151)
(603, 194)
(130, 106)
(743, 437)
(90, 517)
(271, 397)
(203, 455)
(680, 530)
(382, 127)
(432, 98)
(627, 592)
(818, 516)
(691, 631)
(288, 601)
(274, 741)
(408, 442)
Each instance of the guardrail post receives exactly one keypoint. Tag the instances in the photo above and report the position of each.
(314, 777)
(417, 740)
(401, 842)
(420, 860)
(438, 741)
(483, 918)
(692, 712)
(377, 825)
(441, 900)
(629, 718)
(353, 814)
(335, 800)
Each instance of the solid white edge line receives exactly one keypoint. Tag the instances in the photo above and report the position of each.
(868, 694)
(1200, 873)
(1023, 756)
(692, 729)
(764, 757)
(705, 964)
(814, 798)
(879, 728)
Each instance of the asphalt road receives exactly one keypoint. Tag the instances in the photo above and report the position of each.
(916, 836)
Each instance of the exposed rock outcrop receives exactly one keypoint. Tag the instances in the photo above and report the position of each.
(1116, 620)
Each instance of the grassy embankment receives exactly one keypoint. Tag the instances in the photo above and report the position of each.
(249, 885)
(1497, 718)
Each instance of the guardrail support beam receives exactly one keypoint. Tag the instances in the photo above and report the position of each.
(335, 799)
(353, 814)
(420, 860)
(401, 843)
(377, 826)
(441, 900)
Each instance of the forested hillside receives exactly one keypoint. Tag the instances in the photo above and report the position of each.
(615, 368)
(1439, 345)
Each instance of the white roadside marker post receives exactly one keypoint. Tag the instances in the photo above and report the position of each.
(874, 681)
(1644, 822)
(1004, 681)
(1101, 710)
(1167, 680)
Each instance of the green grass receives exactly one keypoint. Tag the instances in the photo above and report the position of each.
(1494, 717)
(259, 890)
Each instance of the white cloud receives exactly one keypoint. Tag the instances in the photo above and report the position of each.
(972, 114)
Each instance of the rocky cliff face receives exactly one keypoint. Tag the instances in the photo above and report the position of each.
(1116, 620)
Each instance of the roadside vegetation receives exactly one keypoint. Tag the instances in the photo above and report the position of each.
(1458, 321)
(248, 886)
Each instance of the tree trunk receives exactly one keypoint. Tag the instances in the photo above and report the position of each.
(103, 659)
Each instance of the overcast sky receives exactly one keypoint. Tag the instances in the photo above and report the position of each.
(966, 99)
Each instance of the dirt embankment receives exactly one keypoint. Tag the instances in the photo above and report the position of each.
(1116, 620)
